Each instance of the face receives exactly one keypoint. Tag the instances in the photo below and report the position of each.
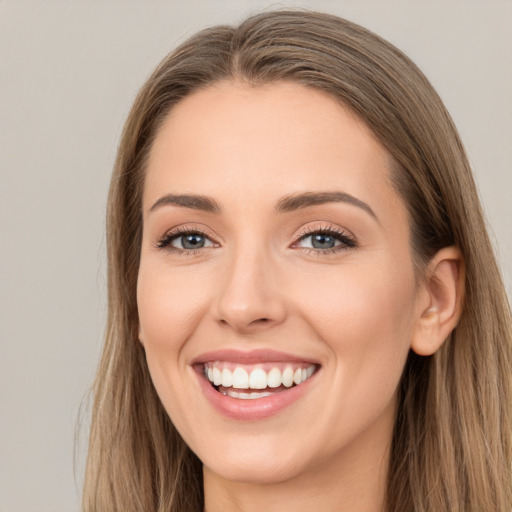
(276, 290)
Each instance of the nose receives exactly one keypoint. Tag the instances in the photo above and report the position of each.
(249, 298)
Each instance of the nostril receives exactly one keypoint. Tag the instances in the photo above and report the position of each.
(260, 321)
(249, 326)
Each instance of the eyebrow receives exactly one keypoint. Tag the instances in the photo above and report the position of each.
(196, 202)
(297, 201)
(285, 204)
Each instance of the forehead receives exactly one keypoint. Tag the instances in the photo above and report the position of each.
(256, 143)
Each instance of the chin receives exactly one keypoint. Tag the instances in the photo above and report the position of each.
(260, 459)
(256, 472)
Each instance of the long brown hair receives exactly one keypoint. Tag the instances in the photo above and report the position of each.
(452, 444)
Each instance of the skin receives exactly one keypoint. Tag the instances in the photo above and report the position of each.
(258, 284)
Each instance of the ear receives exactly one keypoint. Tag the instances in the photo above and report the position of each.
(439, 301)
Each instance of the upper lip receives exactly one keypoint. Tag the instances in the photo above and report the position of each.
(250, 356)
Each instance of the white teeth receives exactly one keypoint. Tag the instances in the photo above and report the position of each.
(258, 379)
(240, 379)
(227, 378)
(274, 378)
(287, 378)
(244, 395)
(220, 375)
(217, 379)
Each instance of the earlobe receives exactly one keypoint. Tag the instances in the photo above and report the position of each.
(440, 301)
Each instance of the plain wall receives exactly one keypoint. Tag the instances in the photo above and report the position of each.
(69, 71)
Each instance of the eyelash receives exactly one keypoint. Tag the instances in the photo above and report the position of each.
(348, 242)
(170, 236)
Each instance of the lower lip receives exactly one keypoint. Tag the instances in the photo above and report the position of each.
(252, 409)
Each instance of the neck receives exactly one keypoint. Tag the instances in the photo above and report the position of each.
(352, 481)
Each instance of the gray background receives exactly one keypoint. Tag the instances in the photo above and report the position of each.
(68, 73)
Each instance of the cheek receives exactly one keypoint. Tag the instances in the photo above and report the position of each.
(364, 314)
(168, 305)
(357, 296)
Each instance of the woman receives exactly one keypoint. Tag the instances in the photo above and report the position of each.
(304, 307)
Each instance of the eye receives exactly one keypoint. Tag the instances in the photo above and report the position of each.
(326, 240)
(184, 240)
(190, 241)
(320, 241)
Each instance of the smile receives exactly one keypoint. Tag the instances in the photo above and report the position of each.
(254, 385)
(239, 381)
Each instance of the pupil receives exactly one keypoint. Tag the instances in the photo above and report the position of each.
(192, 241)
(323, 241)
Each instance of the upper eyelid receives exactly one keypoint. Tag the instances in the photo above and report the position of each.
(324, 226)
(189, 228)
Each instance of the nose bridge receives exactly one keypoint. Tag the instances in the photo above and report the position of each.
(249, 297)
